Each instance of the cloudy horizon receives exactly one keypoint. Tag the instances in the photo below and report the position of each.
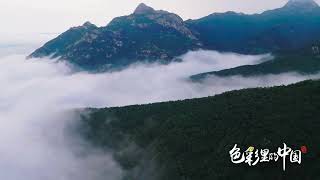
(45, 16)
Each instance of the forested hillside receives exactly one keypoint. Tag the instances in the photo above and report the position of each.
(305, 65)
(191, 139)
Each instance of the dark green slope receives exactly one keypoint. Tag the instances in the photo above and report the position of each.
(306, 65)
(191, 139)
(290, 27)
(228, 31)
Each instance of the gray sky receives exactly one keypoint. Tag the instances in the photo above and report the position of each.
(55, 16)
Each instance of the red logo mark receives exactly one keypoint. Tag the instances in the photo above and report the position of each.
(304, 149)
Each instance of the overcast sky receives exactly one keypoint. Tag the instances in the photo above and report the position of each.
(55, 16)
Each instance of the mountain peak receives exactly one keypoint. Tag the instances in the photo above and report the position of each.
(88, 24)
(309, 4)
(143, 9)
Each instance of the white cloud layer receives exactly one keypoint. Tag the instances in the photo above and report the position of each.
(34, 93)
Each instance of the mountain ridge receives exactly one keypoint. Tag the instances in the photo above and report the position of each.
(140, 36)
(151, 35)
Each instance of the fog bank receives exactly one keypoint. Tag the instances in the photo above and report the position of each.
(35, 93)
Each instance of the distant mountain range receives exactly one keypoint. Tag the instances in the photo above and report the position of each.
(150, 35)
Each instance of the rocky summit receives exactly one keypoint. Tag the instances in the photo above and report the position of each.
(143, 9)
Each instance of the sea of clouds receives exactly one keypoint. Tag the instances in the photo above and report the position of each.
(35, 94)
